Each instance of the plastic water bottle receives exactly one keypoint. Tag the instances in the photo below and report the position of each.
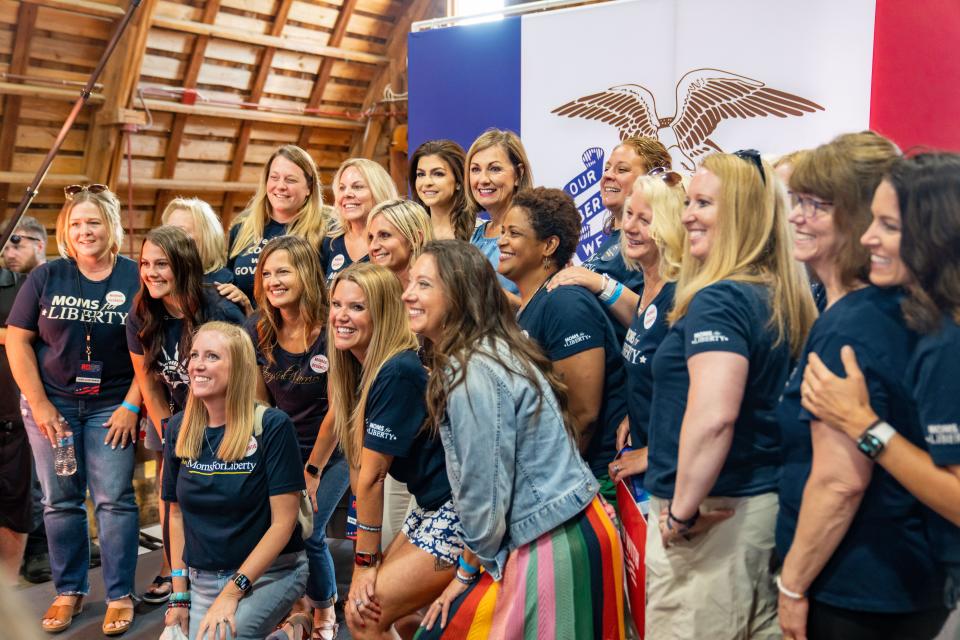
(65, 456)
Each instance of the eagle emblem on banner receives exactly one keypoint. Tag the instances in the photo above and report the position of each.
(704, 98)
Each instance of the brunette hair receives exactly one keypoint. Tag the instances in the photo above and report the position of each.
(551, 212)
(651, 150)
(453, 155)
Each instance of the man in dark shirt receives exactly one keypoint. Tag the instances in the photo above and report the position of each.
(27, 248)
(16, 509)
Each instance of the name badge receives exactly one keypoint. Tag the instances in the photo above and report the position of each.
(89, 378)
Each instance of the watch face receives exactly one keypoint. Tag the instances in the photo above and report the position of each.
(242, 582)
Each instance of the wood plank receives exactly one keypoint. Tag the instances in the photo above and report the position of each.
(88, 7)
(178, 10)
(311, 14)
(96, 26)
(26, 21)
(42, 138)
(61, 164)
(188, 186)
(255, 116)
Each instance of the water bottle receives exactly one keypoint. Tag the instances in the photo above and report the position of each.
(65, 456)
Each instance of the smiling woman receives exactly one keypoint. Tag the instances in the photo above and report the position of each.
(396, 233)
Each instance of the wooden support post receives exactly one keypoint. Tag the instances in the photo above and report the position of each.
(26, 18)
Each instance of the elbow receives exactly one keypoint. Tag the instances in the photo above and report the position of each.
(848, 488)
(370, 480)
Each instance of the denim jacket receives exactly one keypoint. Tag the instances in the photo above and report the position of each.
(514, 472)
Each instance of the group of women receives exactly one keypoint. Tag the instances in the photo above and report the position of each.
(442, 357)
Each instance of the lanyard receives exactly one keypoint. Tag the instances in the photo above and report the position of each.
(88, 326)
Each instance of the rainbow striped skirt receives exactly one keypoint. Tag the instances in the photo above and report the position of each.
(566, 584)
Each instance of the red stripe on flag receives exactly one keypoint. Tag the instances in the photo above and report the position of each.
(915, 97)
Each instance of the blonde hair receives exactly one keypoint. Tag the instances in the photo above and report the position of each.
(409, 219)
(513, 147)
(109, 207)
(378, 181)
(210, 240)
(240, 404)
(310, 223)
(350, 381)
(666, 228)
(751, 244)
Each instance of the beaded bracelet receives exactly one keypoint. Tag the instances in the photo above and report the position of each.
(467, 580)
(180, 604)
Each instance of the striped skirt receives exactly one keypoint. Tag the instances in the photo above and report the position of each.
(566, 584)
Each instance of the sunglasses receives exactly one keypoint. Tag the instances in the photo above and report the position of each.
(752, 156)
(74, 189)
(672, 178)
(16, 238)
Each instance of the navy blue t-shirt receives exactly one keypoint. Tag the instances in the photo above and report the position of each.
(933, 374)
(608, 259)
(297, 382)
(883, 562)
(733, 317)
(244, 265)
(568, 321)
(394, 417)
(223, 275)
(56, 302)
(171, 363)
(335, 258)
(647, 331)
(226, 505)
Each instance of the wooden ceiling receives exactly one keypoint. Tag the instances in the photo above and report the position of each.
(197, 95)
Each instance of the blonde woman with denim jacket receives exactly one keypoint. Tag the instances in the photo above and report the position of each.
(540, 549)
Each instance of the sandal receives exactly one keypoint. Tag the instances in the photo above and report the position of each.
(154, 595)
(62, 616)
(120, 617)
(300, 623)
(325, 631)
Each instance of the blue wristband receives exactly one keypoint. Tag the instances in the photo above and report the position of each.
(129, 406)
(178, 573)
(466, 566)
(615, 296)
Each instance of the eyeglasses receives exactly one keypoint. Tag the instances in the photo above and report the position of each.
(672, 178)
(16, 238)
(752, 156)
(74, 189)
(810, 207)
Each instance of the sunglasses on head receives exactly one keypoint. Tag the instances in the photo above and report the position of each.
(17, 237)
(752, 156)
(74, 189)
(672, 178)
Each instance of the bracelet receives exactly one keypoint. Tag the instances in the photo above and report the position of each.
(793, 595)
(178, 573)
(180, 596)
(468, 568)
(180, 604)
(609, 288)
(467, 580)
(688, 523)
(370, 528)
(129, 406)
(615, 296)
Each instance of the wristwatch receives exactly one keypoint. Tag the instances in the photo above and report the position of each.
(362, 559)
(242, 583)
(875, 439)
(312, 469)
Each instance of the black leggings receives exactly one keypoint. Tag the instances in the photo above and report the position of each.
(832, 623)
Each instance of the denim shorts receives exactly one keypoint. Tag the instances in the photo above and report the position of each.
(436, 532)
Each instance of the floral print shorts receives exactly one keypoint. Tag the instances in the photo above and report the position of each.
(436, 532)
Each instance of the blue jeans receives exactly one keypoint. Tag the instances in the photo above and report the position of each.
(109, 475)
(259, 612)
(322, 583)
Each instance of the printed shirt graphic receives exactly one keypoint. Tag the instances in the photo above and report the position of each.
(567, 321)
(226, 505)
(297, 383)
(394, 415)
(244, 265)
(50, 304)
(334, 257)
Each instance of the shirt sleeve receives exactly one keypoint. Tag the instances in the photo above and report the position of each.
(281, 454)
(827, 346)
(718, 319)
(395, 409)
(572, 324)
(939, 404)
(25, 313)
(229, 312)
(171, 463)
(134, 345)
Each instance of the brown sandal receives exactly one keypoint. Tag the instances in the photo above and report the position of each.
(62, 616)
(117, 616)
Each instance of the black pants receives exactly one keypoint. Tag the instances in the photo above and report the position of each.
(832, 623)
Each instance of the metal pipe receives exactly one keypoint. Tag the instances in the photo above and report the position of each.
(34, 187)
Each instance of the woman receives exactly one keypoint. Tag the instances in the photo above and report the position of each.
(742, 309)
(396, 233)
(65, 343)
(839, 516)
(497, 168)
(530, 502)
(290, 338)
(171, 304)
(378, 386)
(232, 478)
(359, 186)
(202, 225)
(540, 233)
(436, 180)
(288, 201)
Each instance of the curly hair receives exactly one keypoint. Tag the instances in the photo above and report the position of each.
(552, 213)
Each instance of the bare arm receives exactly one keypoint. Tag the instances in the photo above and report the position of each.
(26, 372)
(622, 309)
(152, 390)
(583, 373)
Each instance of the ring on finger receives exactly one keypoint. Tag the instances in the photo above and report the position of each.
(358, 603)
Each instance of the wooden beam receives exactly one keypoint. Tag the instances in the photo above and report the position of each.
(52, 179)
(88, 7)
(39, 91)
(186, 186)
(26, 19)
(326, 66)
(285, 44)
(254, 116)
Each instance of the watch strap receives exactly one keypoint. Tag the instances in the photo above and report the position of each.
(312, 469)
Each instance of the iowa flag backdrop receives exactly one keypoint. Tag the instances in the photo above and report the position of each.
(700, 75)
